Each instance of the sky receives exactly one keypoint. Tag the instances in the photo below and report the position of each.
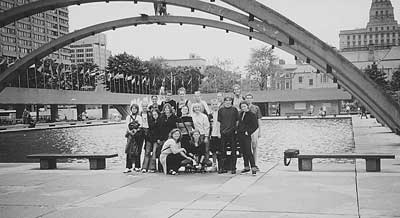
(323, 18)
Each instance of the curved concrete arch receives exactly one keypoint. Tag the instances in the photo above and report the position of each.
(278, 28)
(302, 53)
(85, 32)
(378, 102)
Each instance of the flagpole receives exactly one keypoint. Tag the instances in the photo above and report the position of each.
(35, 77)
(27, 78)
(19, 80)
(191, 84)
(171, 81)
(58, 76)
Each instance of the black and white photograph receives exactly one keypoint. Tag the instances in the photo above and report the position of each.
(199, 108)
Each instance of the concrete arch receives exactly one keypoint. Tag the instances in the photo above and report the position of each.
(88, 31)
(279, 28)
(276, 36)
(273, 33)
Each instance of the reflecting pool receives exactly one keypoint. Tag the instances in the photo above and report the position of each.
(308, 135)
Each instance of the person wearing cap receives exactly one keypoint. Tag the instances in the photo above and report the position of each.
(228, 117)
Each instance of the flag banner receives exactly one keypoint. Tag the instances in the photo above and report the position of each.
(31, 67)
(129, 78)
(144, 80)
(134, 80)
(154, 81)
(190, 81)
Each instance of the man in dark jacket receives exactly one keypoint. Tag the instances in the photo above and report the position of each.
(228, 118)
(246, 127)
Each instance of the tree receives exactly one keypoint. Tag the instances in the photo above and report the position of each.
(395, 82)
(261, 65)
(378, 76)
(217, 79)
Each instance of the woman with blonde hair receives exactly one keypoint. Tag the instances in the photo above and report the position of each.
(172, 154)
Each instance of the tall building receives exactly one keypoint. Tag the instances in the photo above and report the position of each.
(91, 49)
(379, 42)
(25, 35)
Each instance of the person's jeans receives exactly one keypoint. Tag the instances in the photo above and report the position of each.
(245, 145)
(227, 140)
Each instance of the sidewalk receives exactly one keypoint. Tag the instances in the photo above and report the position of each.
(331, 190)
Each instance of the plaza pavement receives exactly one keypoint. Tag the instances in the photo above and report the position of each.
(331, 190)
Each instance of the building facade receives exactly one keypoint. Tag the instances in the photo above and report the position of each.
(25, 35)
(193, 61)
(91, 49)
(300, 76)
(379, 42)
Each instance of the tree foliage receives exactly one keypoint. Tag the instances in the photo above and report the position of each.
(395, 82)
(217, 79)
(129, 74)
(262, 64)
(378, 76)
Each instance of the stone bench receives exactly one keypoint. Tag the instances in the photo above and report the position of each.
(49, 161)
(373, 161)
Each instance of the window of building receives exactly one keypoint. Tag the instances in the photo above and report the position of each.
(348, 37)
(300, 79)
(89, 50)
(311, 82)
(287, 85)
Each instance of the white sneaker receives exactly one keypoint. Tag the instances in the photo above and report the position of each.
(127, 170)
(137, 169)
(144, 171)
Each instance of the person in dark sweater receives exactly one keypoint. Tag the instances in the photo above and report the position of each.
(153, 147)
(170, 101)
(185, 125)
(247, 125)
(228, 117)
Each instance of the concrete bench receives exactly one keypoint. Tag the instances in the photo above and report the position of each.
(49, 161)
(373, 161)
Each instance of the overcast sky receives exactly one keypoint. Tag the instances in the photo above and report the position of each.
(323, 18)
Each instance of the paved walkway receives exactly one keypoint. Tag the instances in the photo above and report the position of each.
(331, 190)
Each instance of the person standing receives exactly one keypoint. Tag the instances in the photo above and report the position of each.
(220, 99)
(168, 120)
(134, 139)
(183, 101)
(154, 105)
(146, 116)
(228, 117)
(170, 101)
(203, 104)
(185, 125)
(237, 97)
(201, 123)
(246, 127)
(153, 148)
(363, 112)
(172, 154)
(215, 136)
(257, 133)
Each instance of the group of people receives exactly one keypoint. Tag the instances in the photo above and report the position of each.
(187, 133)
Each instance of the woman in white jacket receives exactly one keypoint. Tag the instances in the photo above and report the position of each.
(201, 123)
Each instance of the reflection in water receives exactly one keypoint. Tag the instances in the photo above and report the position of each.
(310, 136)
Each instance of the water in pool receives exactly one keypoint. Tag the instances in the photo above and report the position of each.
(308, 135)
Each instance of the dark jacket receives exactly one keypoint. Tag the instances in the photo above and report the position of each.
(168, 124)
(248, 123)
(155, 126)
